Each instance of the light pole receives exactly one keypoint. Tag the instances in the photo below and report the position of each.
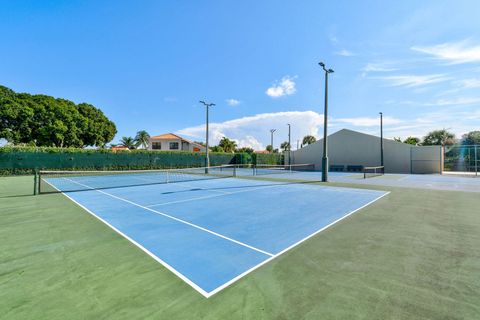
(207, 159)
(271, 137)
(289, 145)
(325, 118)
(381, 139)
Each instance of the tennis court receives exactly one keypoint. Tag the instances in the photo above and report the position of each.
(209, 229)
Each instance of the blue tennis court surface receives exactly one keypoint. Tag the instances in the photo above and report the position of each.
(210, 233)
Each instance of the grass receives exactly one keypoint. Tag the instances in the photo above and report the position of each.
(414, 254)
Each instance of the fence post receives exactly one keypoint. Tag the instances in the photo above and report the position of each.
(35, 181)
(476, 160)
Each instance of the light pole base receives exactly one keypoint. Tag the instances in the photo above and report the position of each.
(325, 169)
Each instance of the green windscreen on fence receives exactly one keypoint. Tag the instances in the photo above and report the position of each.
(24, 160)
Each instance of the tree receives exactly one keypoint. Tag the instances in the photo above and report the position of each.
(471, 138)
(227, 145)
(269, 148)
(128, 142)
(216, 149)
(285, 146)
(439, 138)
(308, 140)
(46, 121)
(412, 140)
(200, 143)
(142, 139)
(397, 139)
(245, 150)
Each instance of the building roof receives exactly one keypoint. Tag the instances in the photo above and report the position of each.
(169, 136)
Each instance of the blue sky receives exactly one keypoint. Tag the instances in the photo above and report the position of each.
(147, 63)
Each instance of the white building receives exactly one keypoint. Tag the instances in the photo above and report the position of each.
(172, 142)
(352, 148)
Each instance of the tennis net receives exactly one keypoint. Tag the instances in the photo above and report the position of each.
(67, 181)
(264, 169)
(370, 172)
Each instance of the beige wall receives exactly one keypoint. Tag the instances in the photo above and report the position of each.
(166, 145)
(427, 159)
(347, 147)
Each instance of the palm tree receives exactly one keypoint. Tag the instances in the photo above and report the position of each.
(128, 142)
(227, 145)
(141, 139)
(285, 146)
(308, 140)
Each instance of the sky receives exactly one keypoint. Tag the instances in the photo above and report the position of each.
(146, 64)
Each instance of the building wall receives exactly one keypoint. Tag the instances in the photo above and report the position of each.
(347, 147)
(166, 145)
(427, 159)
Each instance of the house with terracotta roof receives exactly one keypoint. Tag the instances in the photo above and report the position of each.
(173, 142)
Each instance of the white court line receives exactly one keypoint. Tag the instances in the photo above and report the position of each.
(192, 284)
(226, 284)
(214, 196)
(173, 218)
(155, 257)
(403, 178)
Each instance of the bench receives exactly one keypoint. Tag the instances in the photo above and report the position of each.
(337, 167)
(355, 168)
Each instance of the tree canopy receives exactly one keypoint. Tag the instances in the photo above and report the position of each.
(308, 140)
(128, 142)
(471, 138)
(142, 139)
(216, 149)
(245, 150)
(227, 145)
(43, 120)
(412, 140)
(285, 146)
(439, 137)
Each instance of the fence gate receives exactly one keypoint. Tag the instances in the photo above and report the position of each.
(462, 158)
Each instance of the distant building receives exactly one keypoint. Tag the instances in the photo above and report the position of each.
(119, 148)
(173, 142)
(352, 148)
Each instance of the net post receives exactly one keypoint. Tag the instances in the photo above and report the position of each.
(35, 182)
(234, 171)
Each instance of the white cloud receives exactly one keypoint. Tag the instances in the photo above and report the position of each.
(469, 83)
(285, 87)
(377, 67)
(233, 102)
(254, 131)
(456, 101)
(453, 52)
(412, 80)
(368, 122)
(344, 53)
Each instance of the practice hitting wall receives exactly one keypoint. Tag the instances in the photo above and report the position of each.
(348, 147)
